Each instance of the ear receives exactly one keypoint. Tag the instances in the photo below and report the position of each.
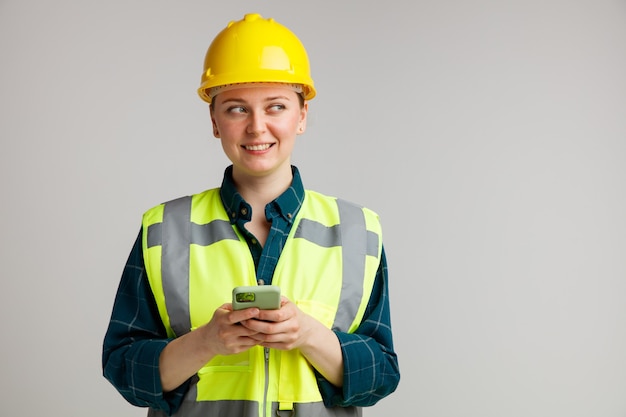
(303, 114)
(216, 131)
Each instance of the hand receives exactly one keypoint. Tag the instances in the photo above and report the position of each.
(285, 329)
(290, 328)
(224, 335)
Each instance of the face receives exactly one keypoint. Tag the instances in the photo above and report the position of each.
(258, 127)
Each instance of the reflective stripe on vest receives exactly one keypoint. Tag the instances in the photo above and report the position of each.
(251, 409)
(174, 235)
(351, 229)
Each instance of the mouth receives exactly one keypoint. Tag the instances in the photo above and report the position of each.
(262, 147)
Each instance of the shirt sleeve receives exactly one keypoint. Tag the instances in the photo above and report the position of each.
(371, 369)
(134, 341)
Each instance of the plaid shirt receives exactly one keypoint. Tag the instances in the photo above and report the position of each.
(136, 336)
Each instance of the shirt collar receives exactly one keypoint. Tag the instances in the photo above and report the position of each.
(285, 205)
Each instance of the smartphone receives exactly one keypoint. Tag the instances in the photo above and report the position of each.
(265, 297)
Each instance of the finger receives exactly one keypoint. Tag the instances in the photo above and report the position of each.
(237, 316)
(257, 326)
(284, 313)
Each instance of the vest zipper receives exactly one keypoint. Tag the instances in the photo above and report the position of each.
(267, 379)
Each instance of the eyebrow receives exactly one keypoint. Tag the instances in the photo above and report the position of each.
(241, 100)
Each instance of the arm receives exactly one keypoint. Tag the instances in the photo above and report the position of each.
(135, 339)
(370, 370)
(323, 351)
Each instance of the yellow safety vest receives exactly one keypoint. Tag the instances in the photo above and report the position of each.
(194, 258)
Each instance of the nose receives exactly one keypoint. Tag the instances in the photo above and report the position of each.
(256, 123)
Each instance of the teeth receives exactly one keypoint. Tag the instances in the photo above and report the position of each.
(258, 147)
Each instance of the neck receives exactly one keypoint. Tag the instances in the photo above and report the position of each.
(260, 190)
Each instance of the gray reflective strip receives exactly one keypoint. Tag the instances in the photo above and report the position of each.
(319, 234)
(155, 234)
(316, 410)
(240, 408)
(328, 237)
(201, 234)
(223, 408)
(357, 242)
(176, 234)
(354, 245)
(208, 234)
(372, 244)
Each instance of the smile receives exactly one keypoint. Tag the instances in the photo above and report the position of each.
(258, 147)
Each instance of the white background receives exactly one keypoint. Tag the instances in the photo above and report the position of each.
(489, 135)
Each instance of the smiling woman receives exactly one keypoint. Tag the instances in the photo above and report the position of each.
(176, 344)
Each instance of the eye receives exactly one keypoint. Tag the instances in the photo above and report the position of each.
(236, 110)
(276, 108)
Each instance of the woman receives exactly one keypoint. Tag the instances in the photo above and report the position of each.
(174, 342)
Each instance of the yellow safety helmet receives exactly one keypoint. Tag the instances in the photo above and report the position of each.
(256, 50)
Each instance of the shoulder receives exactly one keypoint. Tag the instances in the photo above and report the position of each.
(319, 204)
(317, 197)
(183, 201)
